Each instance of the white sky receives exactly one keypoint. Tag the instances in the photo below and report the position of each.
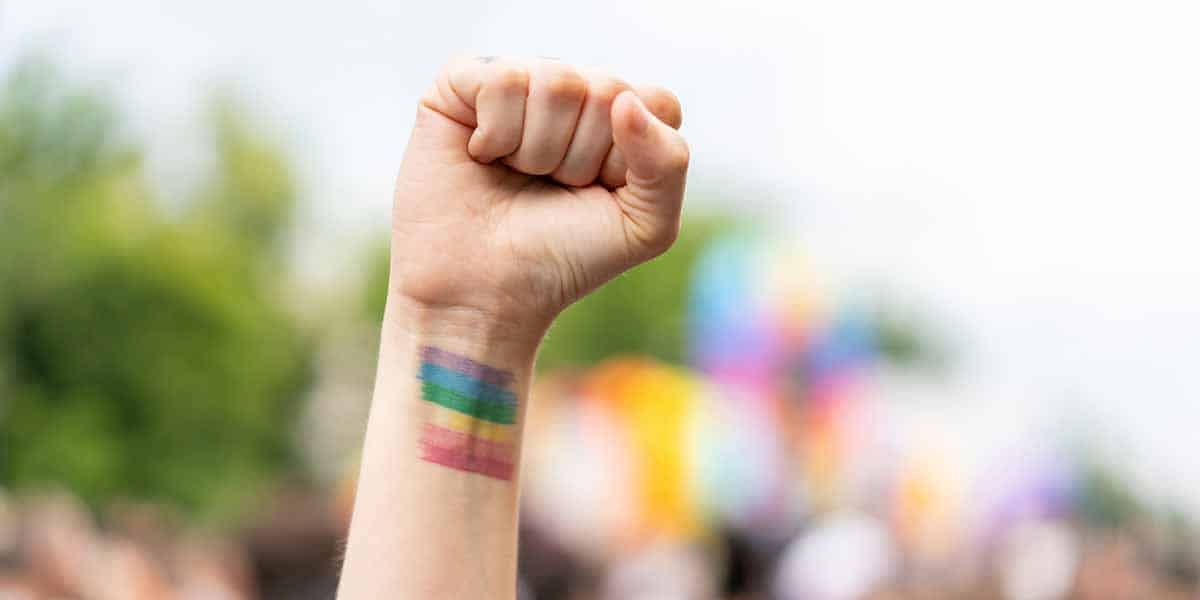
(1027, 170)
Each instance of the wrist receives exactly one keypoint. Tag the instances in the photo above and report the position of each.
(463, 380)
(491, 332)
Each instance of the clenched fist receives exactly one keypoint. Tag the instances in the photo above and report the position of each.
(528, 183)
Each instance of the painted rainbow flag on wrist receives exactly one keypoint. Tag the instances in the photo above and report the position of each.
(474, 422)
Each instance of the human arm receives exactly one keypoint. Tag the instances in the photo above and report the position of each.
(526, 184)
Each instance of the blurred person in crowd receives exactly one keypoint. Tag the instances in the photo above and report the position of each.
(1114, 566)
(61, 552)
(526, 184)
(663, 572)
(61, 541)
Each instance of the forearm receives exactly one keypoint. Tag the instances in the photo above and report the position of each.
(436, 510)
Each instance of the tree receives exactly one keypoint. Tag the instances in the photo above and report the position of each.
(141, 355)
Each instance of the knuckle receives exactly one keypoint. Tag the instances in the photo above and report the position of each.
(678, 159)
(565, 83)
(665, 105)
(510, 78)
(456, 70)
(606, 89)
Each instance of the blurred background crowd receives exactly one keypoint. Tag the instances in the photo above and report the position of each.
(769, 411)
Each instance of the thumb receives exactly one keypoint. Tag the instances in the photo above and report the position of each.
(657, 159)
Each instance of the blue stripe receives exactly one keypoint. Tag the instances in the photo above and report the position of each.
(466, 385)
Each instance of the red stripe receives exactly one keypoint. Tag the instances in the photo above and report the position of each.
(463, 462)
(443, 437)
(466, 452)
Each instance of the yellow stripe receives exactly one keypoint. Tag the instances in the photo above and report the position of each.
(485, 430)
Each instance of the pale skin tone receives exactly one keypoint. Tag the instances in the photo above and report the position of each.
(526, 184)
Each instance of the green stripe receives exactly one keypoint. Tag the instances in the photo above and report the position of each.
(504, 414)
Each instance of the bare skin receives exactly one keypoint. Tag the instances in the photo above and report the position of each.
(526, 184)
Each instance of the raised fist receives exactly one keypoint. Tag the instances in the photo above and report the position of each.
(529, 183)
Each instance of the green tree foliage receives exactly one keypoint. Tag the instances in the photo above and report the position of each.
(1107, 500)
(141, 356)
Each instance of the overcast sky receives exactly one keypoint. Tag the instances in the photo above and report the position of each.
(1029, 171)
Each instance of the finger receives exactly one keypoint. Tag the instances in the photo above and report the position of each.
(593, 134)
(556, 95)
(657, 159)
(662, 104)
(487, 95)
(500, 110)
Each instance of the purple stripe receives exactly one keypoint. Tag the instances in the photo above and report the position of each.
(466, 366)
